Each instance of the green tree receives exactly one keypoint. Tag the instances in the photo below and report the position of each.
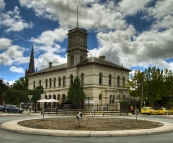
(36, 95)
(4, 86)
(19, 91)
(75, 93)
(157, 84)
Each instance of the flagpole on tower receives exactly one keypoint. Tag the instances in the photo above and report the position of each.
(77, 18)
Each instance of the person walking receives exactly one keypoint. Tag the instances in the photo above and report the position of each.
(132, 109)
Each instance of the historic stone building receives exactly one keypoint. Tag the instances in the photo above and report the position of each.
(103, 81)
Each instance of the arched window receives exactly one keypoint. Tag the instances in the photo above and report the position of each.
(34, 85)
(64, 83)
(59, 97)
(123, 81)
(100, 97)
(54, 82)
(50, 82)
(118, 81)
(81, 58)
(49, 96)
(59, 79)
(45, 96)
(72, 60)
(110, 80)
(46, 83)
(113, 99)
(54, 96)
(82, 78)
(63, 97)
(110, 99)
(100, 78)
(39, 82)
(71, 78)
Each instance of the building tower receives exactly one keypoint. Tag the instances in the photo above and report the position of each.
(31, 68)
(77, 46)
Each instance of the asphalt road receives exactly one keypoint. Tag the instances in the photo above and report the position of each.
(13, 137)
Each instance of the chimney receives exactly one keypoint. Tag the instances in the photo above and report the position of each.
(50, 64)
(102, 57)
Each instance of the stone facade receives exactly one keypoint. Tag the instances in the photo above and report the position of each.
(103, 81)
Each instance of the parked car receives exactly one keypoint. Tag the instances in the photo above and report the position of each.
(148, 110)
(162, 111)
(11, 108)
(1, 107)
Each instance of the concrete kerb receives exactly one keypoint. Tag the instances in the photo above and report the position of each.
(13, 126)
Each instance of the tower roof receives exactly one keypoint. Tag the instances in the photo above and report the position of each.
(31, 68)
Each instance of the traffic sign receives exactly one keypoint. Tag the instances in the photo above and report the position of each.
(79, 115)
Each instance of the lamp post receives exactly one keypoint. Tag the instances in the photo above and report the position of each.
(141, 97)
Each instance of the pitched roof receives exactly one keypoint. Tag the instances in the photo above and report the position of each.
(102, 62)
(49, 69)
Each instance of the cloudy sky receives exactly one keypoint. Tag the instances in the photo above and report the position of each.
(135, 33)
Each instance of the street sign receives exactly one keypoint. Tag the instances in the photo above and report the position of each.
(79, 115)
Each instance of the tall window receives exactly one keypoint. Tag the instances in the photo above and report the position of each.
(81, 58)
(50, 82)
(46, 83)
(110, 99)
(118, 81)
(54, 96)
(64, 83)
(49, 96)
(100, 78)
(63, 97)
(123, 81)
(34, 85)
(59, 79)
(113, 99)
(54, 82)
(110, 80)
(82, 78)
(39, 82)
(45, 96)
(59, 97)
(72, 60)
(71, 79)
(100, 97)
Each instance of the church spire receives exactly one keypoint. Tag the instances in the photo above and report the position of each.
(31, 68)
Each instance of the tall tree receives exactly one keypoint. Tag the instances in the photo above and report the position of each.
(157, 84)
(19, 91)
(75, 93)
(4, 86)
(36, 94)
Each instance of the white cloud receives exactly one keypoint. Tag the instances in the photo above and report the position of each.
(161, 9)
(49, 37)
(2, 4)
(44, 59)
(97, 16)
(11, 82)
(13, 21)
(132, 7)
(5, 59)
(17, 69)
(4, 43)
(165, 22)
(13, 55)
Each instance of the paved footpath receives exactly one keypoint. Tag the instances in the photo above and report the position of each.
(13, 126)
